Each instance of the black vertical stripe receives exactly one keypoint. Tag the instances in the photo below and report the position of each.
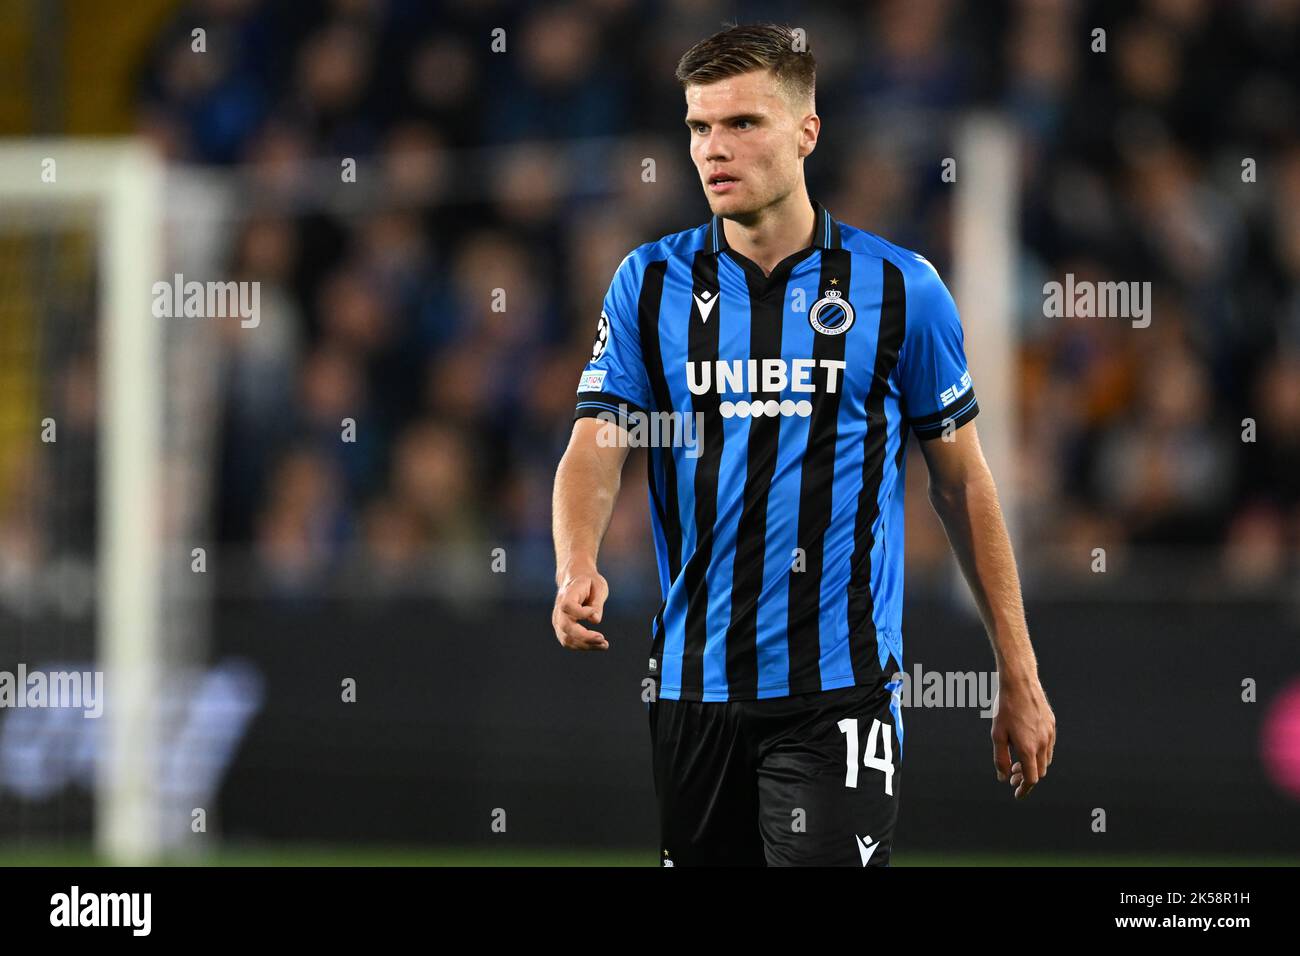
(816, 479)
(861, 606)
(702, 349)
(766, 303)
(657, 629)
(657, 650)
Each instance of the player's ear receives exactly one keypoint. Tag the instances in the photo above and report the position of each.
(809, 130)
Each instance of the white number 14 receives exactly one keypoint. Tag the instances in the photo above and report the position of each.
(870, 760)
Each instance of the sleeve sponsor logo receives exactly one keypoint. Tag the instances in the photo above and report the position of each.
(954, 392)
(592, 381)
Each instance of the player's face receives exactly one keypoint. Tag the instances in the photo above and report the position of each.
(747, 142)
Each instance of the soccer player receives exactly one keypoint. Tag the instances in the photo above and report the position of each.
(786, 356)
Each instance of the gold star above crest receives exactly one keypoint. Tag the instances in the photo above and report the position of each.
(835, 282)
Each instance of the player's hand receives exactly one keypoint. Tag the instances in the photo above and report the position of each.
(1023, 721)
(580, 598)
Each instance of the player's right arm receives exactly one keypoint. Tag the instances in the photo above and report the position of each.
(586, 487)
(614, 384)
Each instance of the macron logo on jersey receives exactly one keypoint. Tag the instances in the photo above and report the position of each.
(706, 301)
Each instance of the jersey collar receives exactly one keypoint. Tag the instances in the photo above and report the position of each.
(826, 233)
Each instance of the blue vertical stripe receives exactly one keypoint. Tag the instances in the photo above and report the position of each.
(887, 570)
(897, 713)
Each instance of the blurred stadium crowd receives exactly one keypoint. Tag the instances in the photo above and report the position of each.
(522, 170)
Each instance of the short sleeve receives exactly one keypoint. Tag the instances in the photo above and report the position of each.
(933, 374)
(615, 377)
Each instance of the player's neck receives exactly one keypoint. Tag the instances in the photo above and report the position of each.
(778, 231)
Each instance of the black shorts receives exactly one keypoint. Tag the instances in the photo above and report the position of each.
(810, 780)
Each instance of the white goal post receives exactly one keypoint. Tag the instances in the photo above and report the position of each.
(122, 183)
(986, 209)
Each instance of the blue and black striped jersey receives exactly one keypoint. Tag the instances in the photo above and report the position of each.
(777, 507)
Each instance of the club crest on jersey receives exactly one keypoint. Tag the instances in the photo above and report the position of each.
(831, 314)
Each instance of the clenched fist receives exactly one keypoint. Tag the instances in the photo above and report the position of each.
(580, 598)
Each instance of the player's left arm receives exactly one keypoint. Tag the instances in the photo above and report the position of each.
(965, 498)
(939, 394)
